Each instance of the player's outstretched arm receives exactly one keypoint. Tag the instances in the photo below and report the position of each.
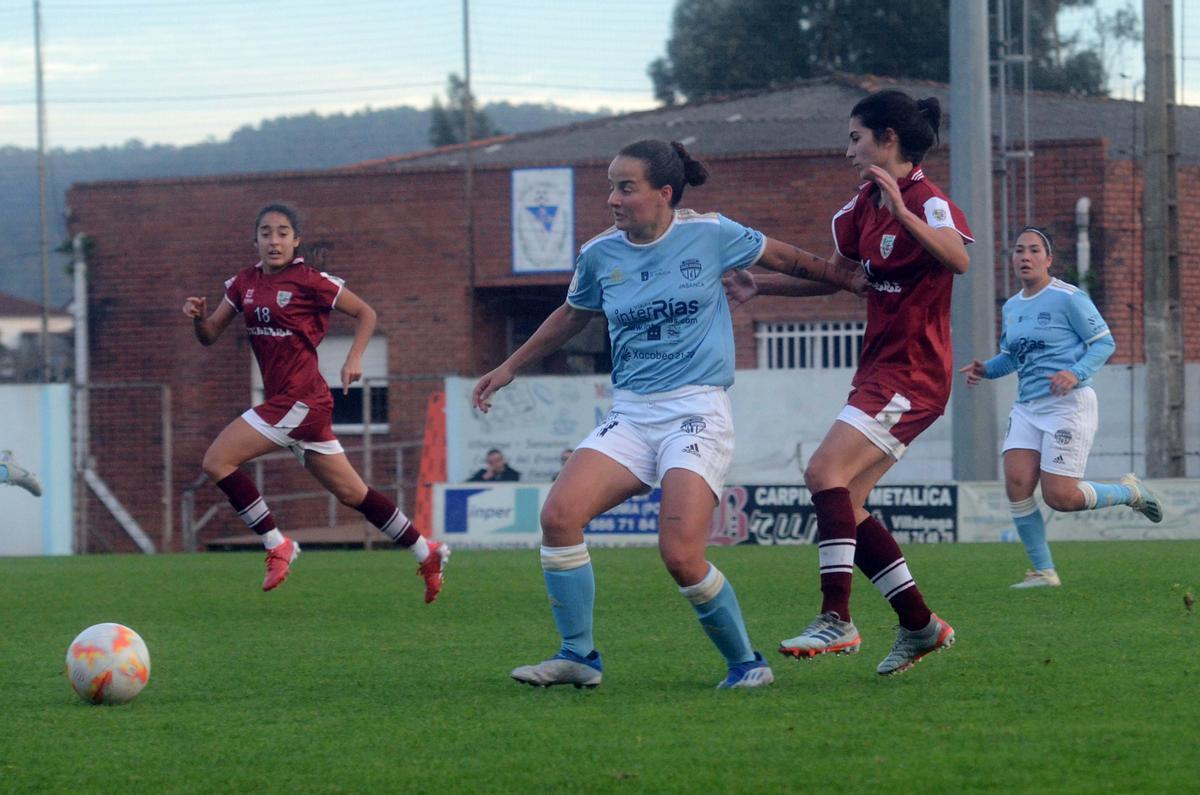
(976, 371)
(563, 324)
(364, 326)
(207, 327)
(837, 271)
(740, 286)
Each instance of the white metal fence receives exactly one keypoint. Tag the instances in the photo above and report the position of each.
(822, 345)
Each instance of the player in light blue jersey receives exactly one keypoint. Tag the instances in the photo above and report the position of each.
(656, 277)
(1055, 340)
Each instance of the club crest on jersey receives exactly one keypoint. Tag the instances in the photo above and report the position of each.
(690, 268)
(249, 297)
(616, 276)
(282, 297)
(1043, 319)
(939, 214)
(886, 244)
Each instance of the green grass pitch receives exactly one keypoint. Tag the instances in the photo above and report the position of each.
(344, 681)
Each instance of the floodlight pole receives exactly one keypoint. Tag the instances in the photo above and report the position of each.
(973, 314)
(82, 394)
(1162, 318)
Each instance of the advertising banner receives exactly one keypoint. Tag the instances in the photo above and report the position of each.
(506, 514)
(924, 513)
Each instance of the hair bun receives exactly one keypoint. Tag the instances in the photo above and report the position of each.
(931, 109)
(694, 172)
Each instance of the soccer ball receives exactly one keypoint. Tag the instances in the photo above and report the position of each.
(108, 664)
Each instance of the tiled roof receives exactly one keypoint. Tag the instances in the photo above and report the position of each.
(806, 116)
(11, 306)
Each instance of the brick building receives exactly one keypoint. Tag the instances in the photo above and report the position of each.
(400, 232)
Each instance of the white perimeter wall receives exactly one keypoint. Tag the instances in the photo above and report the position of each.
(780, 418)
(35, 423)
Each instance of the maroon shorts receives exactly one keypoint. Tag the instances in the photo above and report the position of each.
(886, 417)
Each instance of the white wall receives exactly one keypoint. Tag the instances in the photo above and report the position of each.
(780, 418)
(11, 328)
(35, 423)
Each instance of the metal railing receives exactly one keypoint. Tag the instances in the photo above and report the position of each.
(104, 476)
(819, 345)
(191, 525)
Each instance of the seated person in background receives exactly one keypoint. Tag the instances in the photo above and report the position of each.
(497, 469)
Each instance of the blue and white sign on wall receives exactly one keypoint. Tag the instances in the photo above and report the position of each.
(493, 511)
(506, 514)
(543, 220)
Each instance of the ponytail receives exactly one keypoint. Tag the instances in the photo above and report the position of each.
(931, 110)
(694, 172)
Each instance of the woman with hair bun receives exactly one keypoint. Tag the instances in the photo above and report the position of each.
(910, 240)
(656, 275)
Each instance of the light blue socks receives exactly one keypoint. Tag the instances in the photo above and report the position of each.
(717, 607)
(572, 589)
(1105, 495)
(1032, 529)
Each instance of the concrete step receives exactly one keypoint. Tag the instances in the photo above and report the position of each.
(347, 536)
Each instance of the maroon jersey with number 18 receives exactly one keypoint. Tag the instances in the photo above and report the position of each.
(287, 314)
(906, 346)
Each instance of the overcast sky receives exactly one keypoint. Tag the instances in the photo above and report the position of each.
(180, 71)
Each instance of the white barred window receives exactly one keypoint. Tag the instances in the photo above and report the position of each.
(823, 345)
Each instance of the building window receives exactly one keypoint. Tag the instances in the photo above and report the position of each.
(347, 409)
(823, 345)
(587, 353)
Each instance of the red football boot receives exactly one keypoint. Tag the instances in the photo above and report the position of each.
(433, 569)
(279, 563)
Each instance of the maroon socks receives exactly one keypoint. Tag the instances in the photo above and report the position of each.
(836, 533)
(244, 497)
(391, 521)
(878, 556)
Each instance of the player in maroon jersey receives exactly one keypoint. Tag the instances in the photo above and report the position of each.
(911, 241)
(286, 304)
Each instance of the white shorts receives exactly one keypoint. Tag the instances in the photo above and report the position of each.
(280, 432)
(687, 428)
(1062, 428)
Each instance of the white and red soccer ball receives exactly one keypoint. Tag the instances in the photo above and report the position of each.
(108, 664)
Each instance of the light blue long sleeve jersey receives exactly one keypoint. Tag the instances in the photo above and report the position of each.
(668, 317)
(1059, 328)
